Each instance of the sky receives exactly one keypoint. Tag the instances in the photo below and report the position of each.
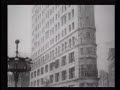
(19, 27)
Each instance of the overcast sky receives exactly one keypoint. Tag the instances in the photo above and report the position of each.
(19, 27)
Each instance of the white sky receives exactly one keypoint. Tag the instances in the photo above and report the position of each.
(19, 27)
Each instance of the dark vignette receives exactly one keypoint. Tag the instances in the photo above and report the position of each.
(4, 33)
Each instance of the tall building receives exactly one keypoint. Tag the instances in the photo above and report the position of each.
(63, 46)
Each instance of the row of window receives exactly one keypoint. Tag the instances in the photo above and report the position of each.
(46, 17)
(55, 28)
(47, 36)
(90, 37)
(52, 41)
(53, 65)
(45, 12)
(67, 45)
(66, 17)
(59, 49)
(56, 77)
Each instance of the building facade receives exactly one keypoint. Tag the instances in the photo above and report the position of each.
(63, 46)
(107, 78)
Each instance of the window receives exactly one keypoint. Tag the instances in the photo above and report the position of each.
(62, 9)
(64, 75)
(42, 70)
(42, 81)
(34, 73)
(63, 60)
(70, 43)
(65, 31)
(73, 26)
(38, 72)
(57, 63)
(58, 25)
(69, 16)
(62, 47)
(47, 34)
(51, 78)
(46, 68)
(56, 16)
(51, 66)
(56, 38)
(88, 35)
(37, 82)
(62, 33)
(71, 72)
(32, 84)
(53, 41)
(65, 45)
(72, 12)
(65, 7)
(69, 28)
(56, 52)
(58, 49)
(88, 70)
(56, 77)
(50, 54)
(82, 52)
(53, 53)
(63, 19)
(89, 50)
(71, 57)
(43, 59)
(73, 40)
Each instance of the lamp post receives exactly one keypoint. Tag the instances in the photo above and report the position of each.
(18, 65)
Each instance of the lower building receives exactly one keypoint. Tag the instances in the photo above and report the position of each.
(107, 79)
(103, 79)
(111, 67)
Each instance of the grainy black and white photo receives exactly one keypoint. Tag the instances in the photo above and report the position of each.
(61, 45)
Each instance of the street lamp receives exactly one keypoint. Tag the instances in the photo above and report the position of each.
(17, 64)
